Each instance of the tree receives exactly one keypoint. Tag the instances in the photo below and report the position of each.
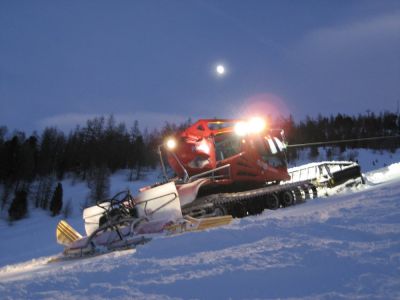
(139, 153)
(28, 159)
(19, 206)
(314, 152)
(56, 201)
(67, 210)
(10, 170)
(52, 145)
(44, 190)
(99, 184)
(11, 159)
(3, 132)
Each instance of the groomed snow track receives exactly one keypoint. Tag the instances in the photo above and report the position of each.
(252, 202)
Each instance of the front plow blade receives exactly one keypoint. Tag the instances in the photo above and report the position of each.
(66, 234)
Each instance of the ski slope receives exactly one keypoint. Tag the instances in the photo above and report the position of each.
(340, 247)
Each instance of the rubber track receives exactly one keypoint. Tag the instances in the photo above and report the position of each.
(241, 204)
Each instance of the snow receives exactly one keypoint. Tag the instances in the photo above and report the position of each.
(385, 174)
(368, 159)
(340, 247)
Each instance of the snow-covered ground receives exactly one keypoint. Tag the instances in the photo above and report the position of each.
(340, 247)
(368, 159)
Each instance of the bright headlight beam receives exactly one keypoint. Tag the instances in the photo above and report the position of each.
(171, 144)
(256, 125)
(241, 128)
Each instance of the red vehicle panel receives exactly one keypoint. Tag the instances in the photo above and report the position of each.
(209, 144)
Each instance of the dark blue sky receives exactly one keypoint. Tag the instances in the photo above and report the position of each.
(62, 62)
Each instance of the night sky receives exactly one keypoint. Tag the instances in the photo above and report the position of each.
(62, 62)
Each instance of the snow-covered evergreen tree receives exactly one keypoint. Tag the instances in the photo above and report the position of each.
(57, 200)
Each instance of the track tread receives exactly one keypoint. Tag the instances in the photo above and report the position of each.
(250, 202)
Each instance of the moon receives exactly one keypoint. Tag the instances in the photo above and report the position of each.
(220, 69)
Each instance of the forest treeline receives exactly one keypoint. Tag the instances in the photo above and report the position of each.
(343, 128)
(103, 146)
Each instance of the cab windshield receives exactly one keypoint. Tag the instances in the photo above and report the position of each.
(270, 151)
(227, 145)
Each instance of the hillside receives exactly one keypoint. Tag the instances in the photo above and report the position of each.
(344, 246)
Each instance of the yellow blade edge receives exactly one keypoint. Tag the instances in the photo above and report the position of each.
(205, 223)
(66, 234)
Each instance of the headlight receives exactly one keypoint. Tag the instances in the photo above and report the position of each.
(254, 125)
(241, 128)
(171, 143)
